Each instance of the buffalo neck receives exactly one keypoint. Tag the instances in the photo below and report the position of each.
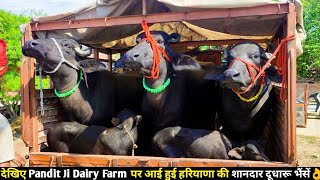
(155, 83)
(155, 99)
(65, 78)
(78, 103)
(251, 93)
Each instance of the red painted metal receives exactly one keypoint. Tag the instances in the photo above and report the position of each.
(216, 42)
(161, 17)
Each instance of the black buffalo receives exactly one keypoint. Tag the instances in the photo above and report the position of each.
(186, 101)
(106, 95)
(243, 120)
(198, 143)
(191, 143)
(72, 137)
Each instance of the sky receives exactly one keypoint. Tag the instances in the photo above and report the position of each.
(49, 7)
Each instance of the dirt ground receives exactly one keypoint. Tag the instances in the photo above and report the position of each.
(308, 150)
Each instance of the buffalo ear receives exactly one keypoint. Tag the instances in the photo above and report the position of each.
(266, 56)
(185, 62)
(174, 37)
(89, 66)
(236, 153)
(138, 119)
(115, 121)
(272, 74)
(138, 39)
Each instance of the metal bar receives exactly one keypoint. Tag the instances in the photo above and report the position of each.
(292, 86)
(200, 43)
(110, 60)
(216, 42)
(144, 6)
(162, 17)
(96, 53)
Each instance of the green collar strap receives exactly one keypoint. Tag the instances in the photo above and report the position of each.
(71, 91)
(155, 90)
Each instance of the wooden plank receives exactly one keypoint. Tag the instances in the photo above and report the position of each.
(24, 72)
(53, 112)
(292, 78)
(68, 159)
(47, 93)
(42, 137)
(24, 90)
(49, 101)
(50, 119)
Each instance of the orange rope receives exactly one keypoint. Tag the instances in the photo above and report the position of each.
(281, 64)
(155, 48)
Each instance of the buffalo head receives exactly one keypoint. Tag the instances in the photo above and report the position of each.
(140, 58)
(46, 51)
(244, 61)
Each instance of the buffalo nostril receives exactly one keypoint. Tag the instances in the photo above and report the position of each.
(136, 55)
(33, 44)
(236, 75)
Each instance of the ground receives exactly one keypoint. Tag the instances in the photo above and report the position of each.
(308, 150)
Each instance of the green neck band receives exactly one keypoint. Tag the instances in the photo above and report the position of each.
(156, 90)
(71, 91)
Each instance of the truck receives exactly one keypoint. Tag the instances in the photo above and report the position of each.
(111, 28)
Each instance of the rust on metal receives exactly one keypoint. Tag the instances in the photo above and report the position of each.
(216, 42)
(160, 17)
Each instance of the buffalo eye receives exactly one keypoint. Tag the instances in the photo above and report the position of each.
(159, 41)
(67, 46)
(256, 56)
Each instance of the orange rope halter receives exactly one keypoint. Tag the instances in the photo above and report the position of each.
(281, 64)
(155, 48)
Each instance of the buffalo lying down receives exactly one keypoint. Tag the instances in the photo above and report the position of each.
(197, 143)
(106, 94)
(77, 138)
(193, 143)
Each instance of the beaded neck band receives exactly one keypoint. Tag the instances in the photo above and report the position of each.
(253, 98)
(155, 90)
(71, 91)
